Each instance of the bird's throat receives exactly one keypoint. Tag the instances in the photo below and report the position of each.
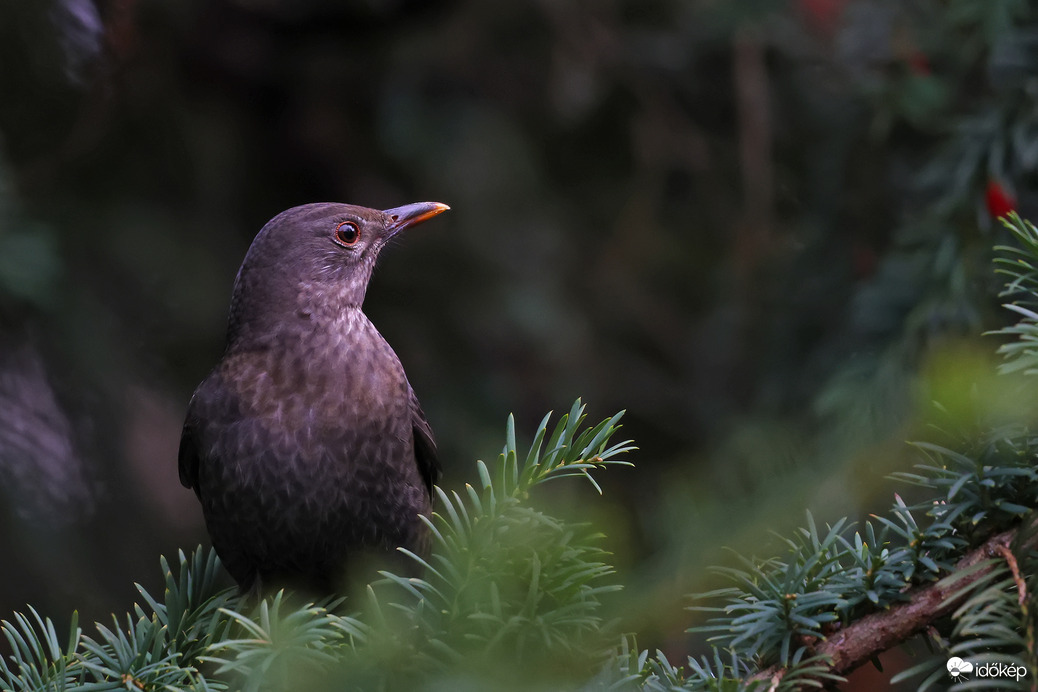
(312, 367)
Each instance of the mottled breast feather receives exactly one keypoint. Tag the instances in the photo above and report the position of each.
(290, 440)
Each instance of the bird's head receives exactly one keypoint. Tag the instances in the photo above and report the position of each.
(314, 259)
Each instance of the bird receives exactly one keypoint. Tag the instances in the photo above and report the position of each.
(306, 444)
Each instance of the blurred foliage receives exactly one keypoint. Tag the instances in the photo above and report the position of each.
(510, 595)
(780, 607)
(761, 227)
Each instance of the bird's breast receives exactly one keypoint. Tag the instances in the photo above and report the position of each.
(339, 378)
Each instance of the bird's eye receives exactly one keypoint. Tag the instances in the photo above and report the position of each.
(347, 233)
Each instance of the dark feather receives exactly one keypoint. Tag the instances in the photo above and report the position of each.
(424, 445)
(187, 457)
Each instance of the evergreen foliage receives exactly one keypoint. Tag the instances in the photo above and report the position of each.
(512, 596)
(781, 608)
(507, 587)
(886, 135)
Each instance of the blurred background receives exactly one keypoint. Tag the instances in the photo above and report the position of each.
(762, 227)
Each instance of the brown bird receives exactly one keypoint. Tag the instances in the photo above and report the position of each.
(306, 444)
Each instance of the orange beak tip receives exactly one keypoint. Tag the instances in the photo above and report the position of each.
(413, 214)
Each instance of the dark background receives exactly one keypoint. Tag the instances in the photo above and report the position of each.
(763, 228)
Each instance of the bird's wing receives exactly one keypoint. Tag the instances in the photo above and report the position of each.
(199, 412)
(187, 458)
(424, 445)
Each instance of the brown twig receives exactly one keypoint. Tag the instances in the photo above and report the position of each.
(1014, 567)
(875, 633)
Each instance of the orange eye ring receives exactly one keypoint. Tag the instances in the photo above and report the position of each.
(347, 233)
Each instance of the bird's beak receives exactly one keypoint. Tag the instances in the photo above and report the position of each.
(412, 214)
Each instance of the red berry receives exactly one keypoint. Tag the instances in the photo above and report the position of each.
(999, 201)
(918, 63)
